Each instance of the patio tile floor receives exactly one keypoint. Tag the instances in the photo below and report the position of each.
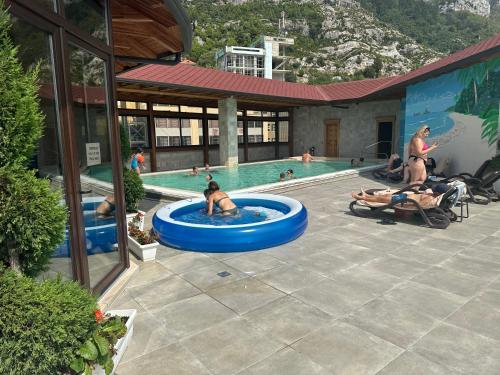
(351, 296)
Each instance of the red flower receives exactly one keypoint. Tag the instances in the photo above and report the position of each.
(99, 316)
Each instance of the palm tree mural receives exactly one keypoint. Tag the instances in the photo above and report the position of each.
(481, 96)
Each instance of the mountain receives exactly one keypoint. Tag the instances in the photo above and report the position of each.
(345, 39)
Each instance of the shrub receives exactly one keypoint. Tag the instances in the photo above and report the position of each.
(142, 237)
(42, 325)
(32, 220)
(134, 189)
(125, 149)
(21, 120)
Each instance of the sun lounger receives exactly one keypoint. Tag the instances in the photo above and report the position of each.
(438, 214)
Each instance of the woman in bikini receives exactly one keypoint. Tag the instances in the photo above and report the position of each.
(221, 200)
(418, 150)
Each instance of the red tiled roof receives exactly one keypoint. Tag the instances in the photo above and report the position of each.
(187, 76)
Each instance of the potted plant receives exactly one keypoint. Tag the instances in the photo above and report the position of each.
(141, 243)
(101, 352)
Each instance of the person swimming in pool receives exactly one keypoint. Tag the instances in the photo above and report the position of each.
(220, 199)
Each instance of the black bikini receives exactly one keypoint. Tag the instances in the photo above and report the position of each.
(415, 158)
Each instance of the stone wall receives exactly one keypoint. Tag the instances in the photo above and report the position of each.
(166, 161)
(264, 152)
(357, 127)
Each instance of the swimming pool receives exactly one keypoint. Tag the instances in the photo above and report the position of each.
(245, 175)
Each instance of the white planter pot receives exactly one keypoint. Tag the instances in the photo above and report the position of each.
(121, 344)
(145, 252)
(130, 217)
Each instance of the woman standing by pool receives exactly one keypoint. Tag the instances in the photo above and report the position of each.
(221, 200)
(418, 150)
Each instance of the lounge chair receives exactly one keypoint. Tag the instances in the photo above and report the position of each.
(480, 185)
(438, 215)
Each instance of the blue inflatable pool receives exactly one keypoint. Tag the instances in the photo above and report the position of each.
(264, 221)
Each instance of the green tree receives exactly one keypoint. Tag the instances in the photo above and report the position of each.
(31, 215)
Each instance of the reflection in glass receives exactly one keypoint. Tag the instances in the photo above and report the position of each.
(137, 130)
(165, 107)
(241, 138)
(168, 132)
(213, 132)
(35, 47)
(90, 108)
(47, 4)
(254, 131)
(89, 16)
(268, 131)
(122, 104)
(283, 131)
(192, 131)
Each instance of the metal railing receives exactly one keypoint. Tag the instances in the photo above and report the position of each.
(375, 144)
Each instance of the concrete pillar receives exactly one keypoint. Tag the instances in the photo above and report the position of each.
(228, 132)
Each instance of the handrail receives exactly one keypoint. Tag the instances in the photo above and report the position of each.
(376, 143)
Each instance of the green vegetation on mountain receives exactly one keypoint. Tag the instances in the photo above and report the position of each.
(335, 41)
(423, 21)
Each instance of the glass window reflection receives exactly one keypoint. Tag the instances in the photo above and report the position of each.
(89, 16)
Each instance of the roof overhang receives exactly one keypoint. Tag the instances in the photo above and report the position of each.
(148, 31)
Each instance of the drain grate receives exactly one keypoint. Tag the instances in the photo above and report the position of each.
(224, 274)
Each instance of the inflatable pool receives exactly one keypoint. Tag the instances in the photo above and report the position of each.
(264, 221)
(100, 232)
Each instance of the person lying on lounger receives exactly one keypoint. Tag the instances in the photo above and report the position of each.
(426, 198)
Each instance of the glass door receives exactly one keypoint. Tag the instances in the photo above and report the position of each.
(91, 128)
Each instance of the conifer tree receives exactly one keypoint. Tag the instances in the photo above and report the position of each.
(32, 219)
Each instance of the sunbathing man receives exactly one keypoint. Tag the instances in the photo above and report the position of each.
(425, 199)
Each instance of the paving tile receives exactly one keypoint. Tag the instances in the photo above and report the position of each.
(213, 276)
(162, 292)
(391, 321)
(324, 263)
(451, 281)
(460, 350)
(173, 359)
(149, 335)
(245, 295)
(290, 278)
(478, 317)
(186, 261)
(449, 245)
(491, 241)
(231, 346)
(366, 278)
(485, 253)
(473, 266)
(253, 262)
(420, 254)
(288, 319)
(125, 301)
(426, 300)
(490, 297)
(410, 363)
(397, 266)
(148, 272)
(344, 349)
(192, 315)
(336, 298)
(286, 361)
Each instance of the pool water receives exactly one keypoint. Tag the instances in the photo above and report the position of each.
(245, 215)
(245, 175)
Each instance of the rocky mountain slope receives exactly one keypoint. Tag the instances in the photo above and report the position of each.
(344, 39)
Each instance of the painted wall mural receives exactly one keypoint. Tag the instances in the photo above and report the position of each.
(462, 110)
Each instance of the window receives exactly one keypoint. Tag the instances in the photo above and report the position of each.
(213, 132)
(89, 16)
(165, 107)
(192, 132)
(283, 131)
(254, 131)
(268, 131)
(254, 113)
(189, 109)
(132, 105)
(241, 138)
(137, 130)
(214, 111)
(168, 132)
(283, 114)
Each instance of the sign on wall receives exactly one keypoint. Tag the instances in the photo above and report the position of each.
(93, 153)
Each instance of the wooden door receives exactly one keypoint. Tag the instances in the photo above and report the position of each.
(332, 128)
